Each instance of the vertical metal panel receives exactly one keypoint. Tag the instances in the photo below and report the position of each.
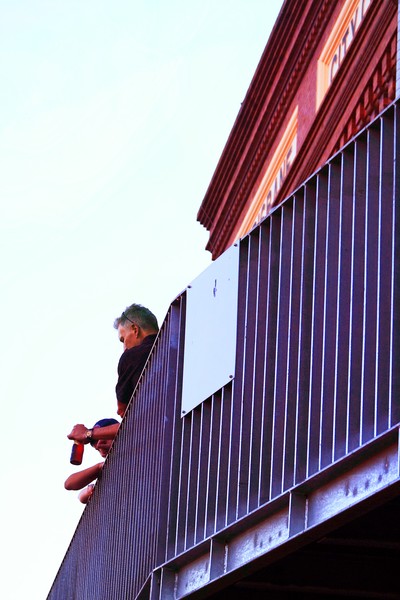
(317, 335)
(294, 341)
(384, 348)
(213, 465)
(281, 357)
(202, 471)
(357, 292)
(236, 435)
(341, 366)
(170, 374)
(305, 333)
(368, 391)
(330, 313)
(273, 228)
(244, 387)
(193, 466)
(171, 469)
(183, 490)
(256, 393)
(223, 456)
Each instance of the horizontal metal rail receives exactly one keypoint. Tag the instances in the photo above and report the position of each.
(316, 379)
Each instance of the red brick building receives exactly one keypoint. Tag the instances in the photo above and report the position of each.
(327, 70)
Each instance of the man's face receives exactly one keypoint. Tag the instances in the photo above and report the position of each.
(128, 335)
(103, 447)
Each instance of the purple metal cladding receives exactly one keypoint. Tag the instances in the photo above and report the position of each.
(316, 381)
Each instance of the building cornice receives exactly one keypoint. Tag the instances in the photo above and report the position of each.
(314, 149)
(275, 82)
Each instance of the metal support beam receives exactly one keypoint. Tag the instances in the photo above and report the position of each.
(297, 518)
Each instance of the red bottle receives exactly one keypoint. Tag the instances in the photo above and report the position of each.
(77, 454)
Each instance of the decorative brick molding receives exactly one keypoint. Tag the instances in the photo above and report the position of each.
(378, 93)
(260, 118)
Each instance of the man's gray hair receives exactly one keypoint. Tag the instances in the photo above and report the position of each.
(139, 315)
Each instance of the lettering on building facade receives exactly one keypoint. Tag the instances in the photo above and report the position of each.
(272, 181)
(276, 184)
(338, 43)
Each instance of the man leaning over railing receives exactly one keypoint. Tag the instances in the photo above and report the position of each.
(82, 480)
(137, 330)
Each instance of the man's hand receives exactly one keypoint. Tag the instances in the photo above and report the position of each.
(78, 434)
(85, 494)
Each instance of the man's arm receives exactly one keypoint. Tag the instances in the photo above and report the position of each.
(77, 481)
(79, 433)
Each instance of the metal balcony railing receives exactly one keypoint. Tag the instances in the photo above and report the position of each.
(316, 381)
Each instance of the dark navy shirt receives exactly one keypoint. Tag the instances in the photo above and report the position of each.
(130, 367)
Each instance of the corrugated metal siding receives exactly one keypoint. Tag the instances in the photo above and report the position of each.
(317, 347)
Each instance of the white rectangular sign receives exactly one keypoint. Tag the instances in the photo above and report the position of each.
(210, 332)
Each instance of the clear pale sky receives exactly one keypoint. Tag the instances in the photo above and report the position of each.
(113, 115)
